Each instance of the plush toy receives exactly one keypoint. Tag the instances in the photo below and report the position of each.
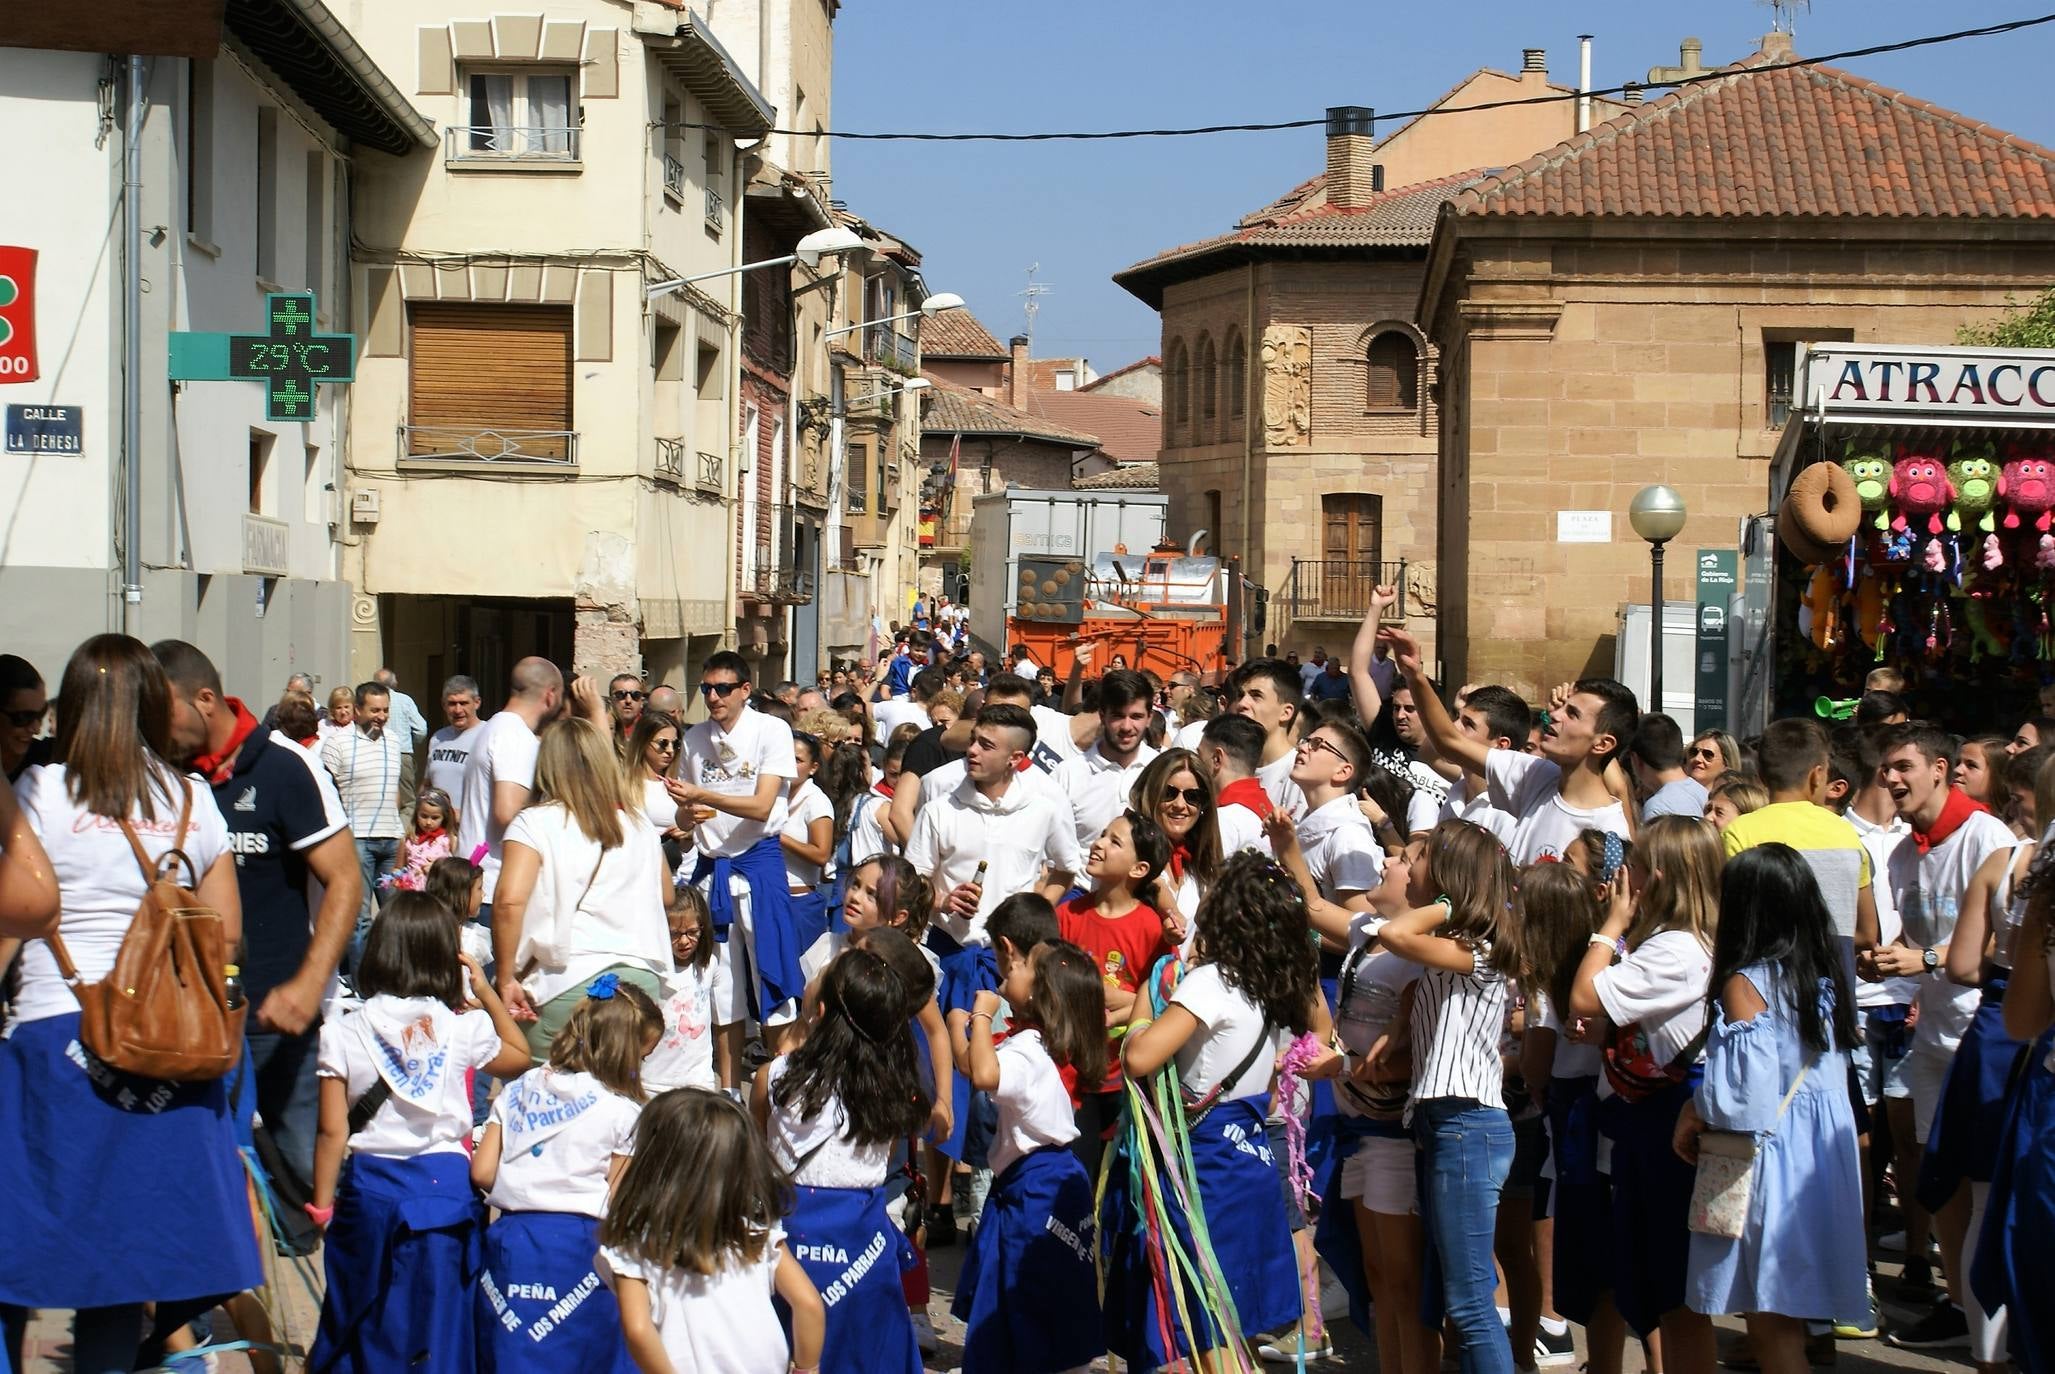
(1974, 473)
(2027, 486)
(1869, 611)
(1822, 603)
(1872, 475)
(1922, 491)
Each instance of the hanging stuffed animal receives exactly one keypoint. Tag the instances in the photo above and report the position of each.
(1869, 610)
(2028, 488)
(1872, 474)
(1922, 491)
(1822, 601)
(1974, 473)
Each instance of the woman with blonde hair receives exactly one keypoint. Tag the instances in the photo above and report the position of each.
(1712, 753)
(583, 888)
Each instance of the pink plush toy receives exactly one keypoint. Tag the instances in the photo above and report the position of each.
(2027, 486)
(1920, 487)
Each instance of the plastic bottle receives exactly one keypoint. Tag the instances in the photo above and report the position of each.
(232, 985)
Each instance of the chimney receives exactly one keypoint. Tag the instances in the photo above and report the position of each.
(1630, 94)
(1688, 65)
(1352, 178)
(1583, 82)
(1777, 46)
(1534, 60)
(1017, 372)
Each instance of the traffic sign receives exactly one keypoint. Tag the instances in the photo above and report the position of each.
(289, 357)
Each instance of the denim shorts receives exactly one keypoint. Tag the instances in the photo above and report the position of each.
(1880, 1056)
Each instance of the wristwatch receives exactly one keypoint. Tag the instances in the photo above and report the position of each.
(1931, 960)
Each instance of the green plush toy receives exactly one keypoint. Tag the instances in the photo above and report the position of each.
(1974, 471)
(1872, 474)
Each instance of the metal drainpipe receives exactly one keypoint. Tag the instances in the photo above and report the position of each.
(1249, 422)
(731, 443)
(132, 354)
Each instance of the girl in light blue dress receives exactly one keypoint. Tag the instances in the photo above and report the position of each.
(1783, 1006)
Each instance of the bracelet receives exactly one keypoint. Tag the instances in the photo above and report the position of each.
(1616, 943)
(321, 1215)
(976, 1014)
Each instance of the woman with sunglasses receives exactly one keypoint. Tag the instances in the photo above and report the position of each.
(1173, 792)
(651, 757)
(23, 704)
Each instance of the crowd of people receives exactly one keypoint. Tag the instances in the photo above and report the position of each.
(590, 1035)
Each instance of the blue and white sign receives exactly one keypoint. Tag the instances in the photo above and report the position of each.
(56, 430)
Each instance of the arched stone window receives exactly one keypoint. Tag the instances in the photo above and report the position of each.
(1209, 380)
(1237, 374)
(1394, 382)
(1177, 372)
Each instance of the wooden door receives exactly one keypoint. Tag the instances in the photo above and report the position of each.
(1351, 544)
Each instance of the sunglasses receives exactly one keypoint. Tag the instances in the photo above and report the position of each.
(664, 746)
(1193, 796)
(22, 720)
(720, 689)
(1315, 742)
(631, 696)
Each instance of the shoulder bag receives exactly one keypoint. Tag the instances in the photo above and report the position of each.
(1725, 1182)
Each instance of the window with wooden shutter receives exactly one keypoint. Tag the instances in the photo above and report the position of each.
(490, 382)
(1351, 543)
(1394, 372)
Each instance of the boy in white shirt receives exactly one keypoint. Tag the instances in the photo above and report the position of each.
(1266, 690)
(1555, 796)
(1099, 781)
(739, 765)
(1332, 852)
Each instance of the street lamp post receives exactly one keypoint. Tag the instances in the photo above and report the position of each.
(933, 305)
(1657, 515)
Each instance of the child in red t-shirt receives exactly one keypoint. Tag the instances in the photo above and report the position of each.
(1125, 937)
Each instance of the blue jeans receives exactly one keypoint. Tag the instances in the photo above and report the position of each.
(283, 1089)
(375, 859)
(1465, 1153)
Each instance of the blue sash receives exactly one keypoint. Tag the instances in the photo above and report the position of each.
(1030, 1272)
(1335, 1238)
(967, 970)
(540, 1303)
(776, 945)
(2011, 1267)
(401, 1255)
(1252, 1240)
(854, 1255)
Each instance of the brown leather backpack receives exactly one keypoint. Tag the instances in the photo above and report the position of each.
(162, 1011)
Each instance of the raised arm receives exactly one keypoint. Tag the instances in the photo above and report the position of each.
(1362, 682)
(28, 885)
(1449, 742)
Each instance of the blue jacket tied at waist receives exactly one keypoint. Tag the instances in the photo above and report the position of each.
(775, 946)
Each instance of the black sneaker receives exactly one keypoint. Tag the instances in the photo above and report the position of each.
(1552, 1349)
(941, 1227)
(1941, 1327)
(1916, 1282)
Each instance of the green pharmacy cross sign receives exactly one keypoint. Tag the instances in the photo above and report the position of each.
(289, 357)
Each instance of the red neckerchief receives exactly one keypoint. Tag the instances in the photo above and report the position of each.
(1954, 812)
(1247, 792)
(429, 836)
(882, 788)
(1180, 855)
(218, 767)
(1024, 764)
(1065, 1072)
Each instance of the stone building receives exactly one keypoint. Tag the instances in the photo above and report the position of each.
(1299, 396)
(1625, 308)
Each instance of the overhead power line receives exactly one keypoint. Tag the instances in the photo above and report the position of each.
(1084, 136)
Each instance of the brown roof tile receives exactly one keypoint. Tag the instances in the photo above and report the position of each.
(1129, 430)
(1793, 142)
(1099, 382)
(953, 409)
(1126, 477)
(957, 334)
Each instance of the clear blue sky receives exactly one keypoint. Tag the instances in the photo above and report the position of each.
(981, 212)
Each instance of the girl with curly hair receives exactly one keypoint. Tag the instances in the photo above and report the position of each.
(1252, 988)
(832, 1110)
(1468, 947)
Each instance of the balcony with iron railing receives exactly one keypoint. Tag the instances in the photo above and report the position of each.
(674, 178)
(885, 346)
(488, 448)
(716, 210)
(773, 573)
(1339, 588)
(670, 461)
(709, 474)
(519, 145)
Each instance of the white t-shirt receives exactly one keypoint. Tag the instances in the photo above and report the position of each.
(589, 912)
(730, 762)
(559, 1133)
(1229, 1026)
(1530, 788)
(1660, 985)
(1034, 1106)
(720, 1323)
(1478, 810)
(1572, 1060)
(1340, 848)
(421, 1048)
(1276, 777)
(1018, 835)
(808, 804)
(98, 879)
(502, 751)
(684, 1057)
(867, 826)
(449, 749)
(889, 715)
(1929, 890)
(1098, 789)
(1240, 828)
(835, 1161)
(1882, 842)
(1053, 742)
(1189, 735)
(657, 806)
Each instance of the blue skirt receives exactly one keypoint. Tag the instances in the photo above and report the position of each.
(115, 1189)
(2011, 1266)
(1962, 1146)
(1651, 1242)
(1030, 1278)
(402, 1255)
(1335, 1237)
(855, 1255)
(967, 970)
(1237, 1184)
(541, 1305)
(1583, 1199)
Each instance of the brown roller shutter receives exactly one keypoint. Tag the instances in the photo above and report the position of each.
(498, 367)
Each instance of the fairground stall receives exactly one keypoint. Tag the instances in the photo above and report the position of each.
(1913, 524)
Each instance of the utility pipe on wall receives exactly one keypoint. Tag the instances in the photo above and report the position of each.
(1583, 82)
(132, 354)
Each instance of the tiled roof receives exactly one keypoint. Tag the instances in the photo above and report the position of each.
(1795, 141)
(957, 334)
(1042, 372)
(953, 409)
(1137, 365)
(1129, 430)
(1399, 218)
(1126, 477)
